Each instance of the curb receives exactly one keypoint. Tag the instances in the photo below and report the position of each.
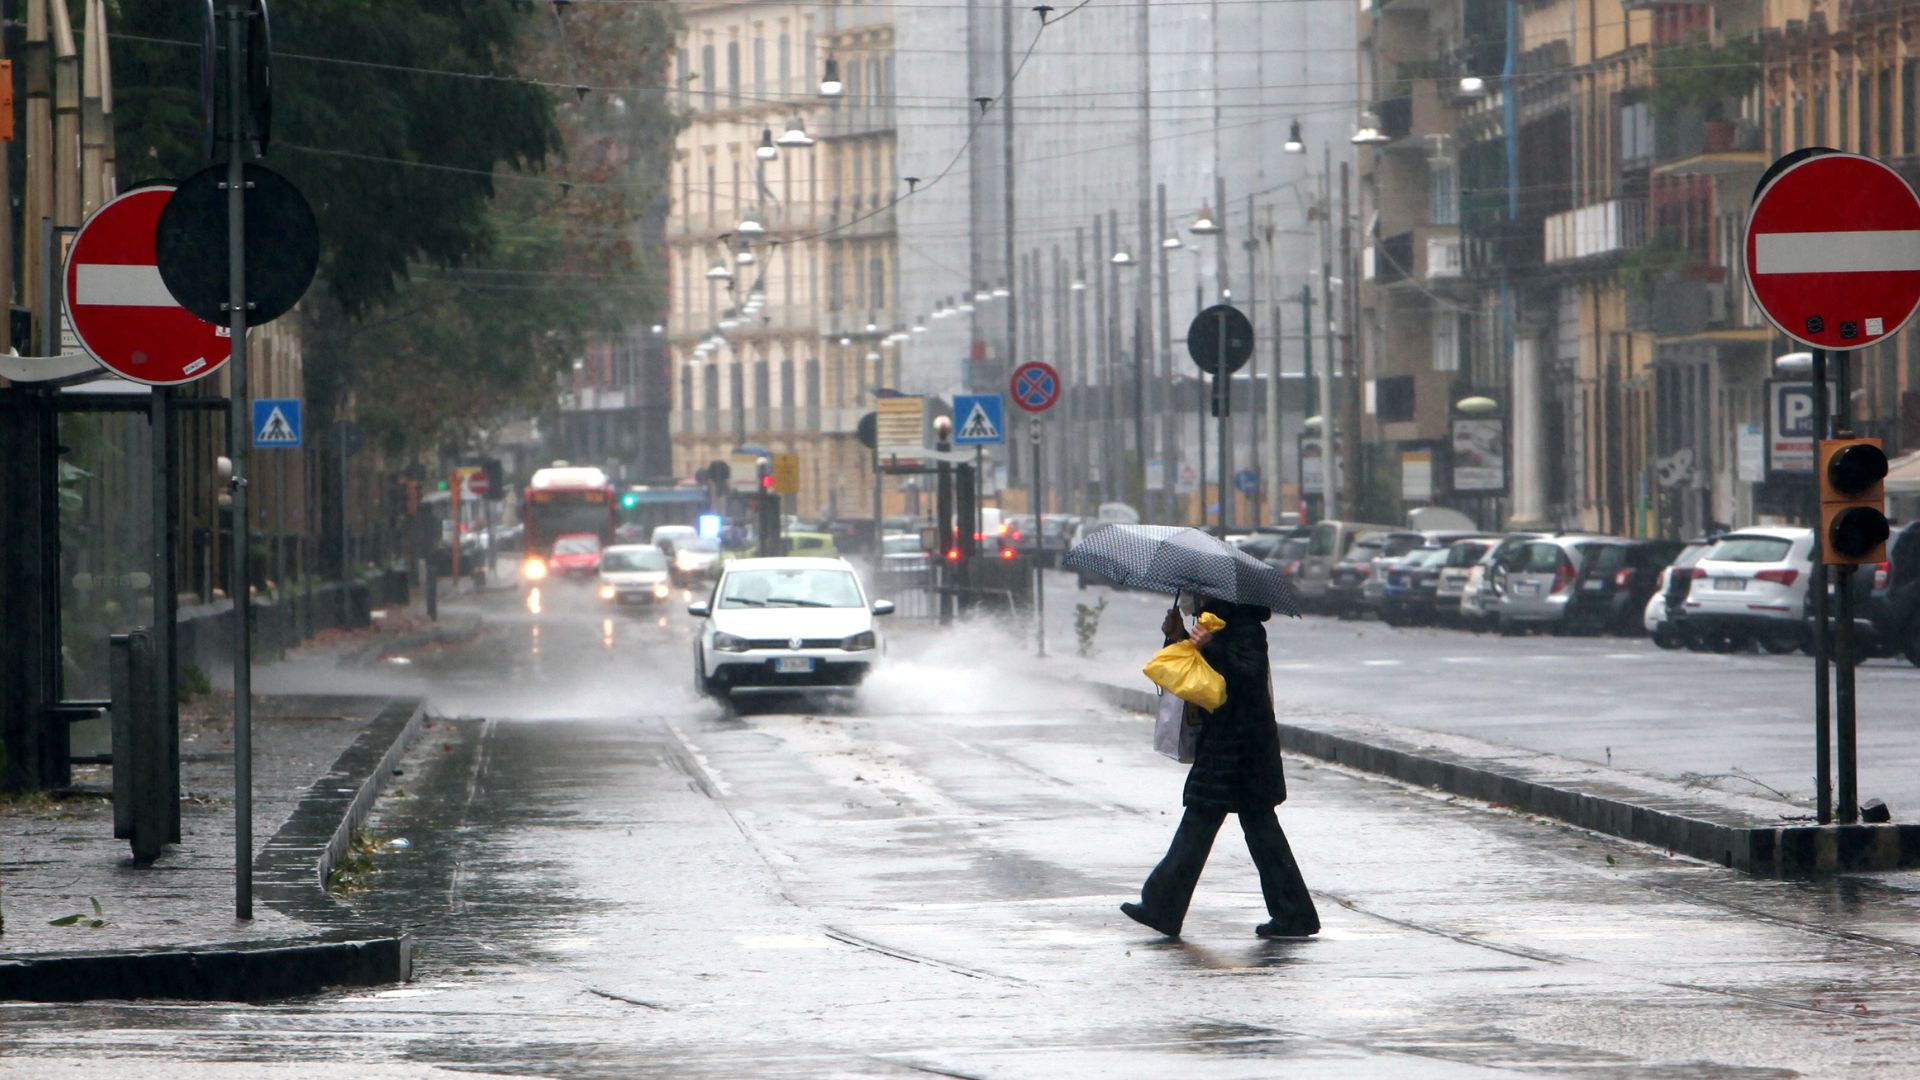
(290, 874)
(1686, 824)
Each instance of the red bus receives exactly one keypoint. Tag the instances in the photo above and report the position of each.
(561, 501)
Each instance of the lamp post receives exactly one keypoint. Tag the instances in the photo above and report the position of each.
(1330, 501)
(1137, 475)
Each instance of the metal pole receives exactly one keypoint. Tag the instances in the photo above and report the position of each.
(1222, 400)
(1163, 391)
(1847, 797)
(165, 598)
(1039, 579)
(1012, 357)
(1330, 501)
(1349, 367)
(1822, 697)
(238, 436)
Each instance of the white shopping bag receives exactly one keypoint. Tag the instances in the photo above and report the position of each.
(1174, 731)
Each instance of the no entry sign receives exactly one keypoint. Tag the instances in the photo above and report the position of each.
(1833, 250)
(122, 312)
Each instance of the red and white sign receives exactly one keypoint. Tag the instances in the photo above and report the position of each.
(477, 483)
(122, 312)
(1833, 251)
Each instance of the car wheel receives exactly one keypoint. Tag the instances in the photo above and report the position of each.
(713, 688)
(1781, 643)
(1697, 642)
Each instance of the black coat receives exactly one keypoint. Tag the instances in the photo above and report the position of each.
(1236, 759)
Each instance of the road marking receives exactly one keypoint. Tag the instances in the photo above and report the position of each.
(1381, 663)
(1463, 659)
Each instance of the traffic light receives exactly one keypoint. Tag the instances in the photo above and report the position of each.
(629, 500)
(1853, 520)
(763, 468)
(496, 486)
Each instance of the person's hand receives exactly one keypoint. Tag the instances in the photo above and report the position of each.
(1173, 627)
(1201, 635)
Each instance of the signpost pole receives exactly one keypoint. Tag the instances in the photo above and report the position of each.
(239, 415)
(1222, 397)
(1822, 720)
(1848, 795)
(1039, 529)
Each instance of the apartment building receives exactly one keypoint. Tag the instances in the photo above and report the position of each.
(773, 282)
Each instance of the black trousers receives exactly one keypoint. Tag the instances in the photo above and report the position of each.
(1169, 889)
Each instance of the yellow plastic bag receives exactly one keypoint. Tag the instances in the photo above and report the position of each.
(1180, 670)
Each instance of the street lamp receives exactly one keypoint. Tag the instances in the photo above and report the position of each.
(830, 81)
(1123, 257)
(795, 135)
(750, 227)
(1476, 404)
(1000, 292)
(1204, 225)
(1369, 133)
(1172, 243)
(1472, 86)
(766, 151)
(745, 255)
(719, 272)
(1294, 144)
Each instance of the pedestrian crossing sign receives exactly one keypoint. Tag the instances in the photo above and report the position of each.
(276, 423)
(981, 420)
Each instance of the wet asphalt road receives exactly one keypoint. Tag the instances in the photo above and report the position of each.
(609, 877)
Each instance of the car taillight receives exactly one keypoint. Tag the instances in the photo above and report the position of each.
(1008, 553)
(953, 554)
(1623, 578)
(1563, 576)
(1778, 577)
(1292, 569)
(1364, 571)
(1880, 576)
(1699, 572)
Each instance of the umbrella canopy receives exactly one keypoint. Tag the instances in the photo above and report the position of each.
(1175, 559)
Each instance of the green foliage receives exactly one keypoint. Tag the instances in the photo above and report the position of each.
(1702, 74)
(80, 918)
(353, 874)
(1086, 624)
(193, 683)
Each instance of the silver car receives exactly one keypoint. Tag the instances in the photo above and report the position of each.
(1540, 580)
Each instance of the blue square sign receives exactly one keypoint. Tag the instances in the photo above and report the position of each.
(276, 423)
(979, 420)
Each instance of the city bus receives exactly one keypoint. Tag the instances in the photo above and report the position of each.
(561, 501)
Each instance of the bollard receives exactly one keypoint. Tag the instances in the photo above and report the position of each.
(145, 795)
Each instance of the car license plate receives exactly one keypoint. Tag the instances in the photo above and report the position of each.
(1594, 586)
(1731, 583)
(793, 665)
(1526, 588)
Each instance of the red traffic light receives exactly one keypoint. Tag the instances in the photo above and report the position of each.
(766, 483)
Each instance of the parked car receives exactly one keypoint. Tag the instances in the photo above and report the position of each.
(1373, 585)
(575, 555)
(1455, 570)
(1665, 612)
(785, 624)
(1411, 581)
(1327, 545)
(1894, 608)
(664, 536)
(1611, 594)
(819, 544)
(635, 574)
(904, 554)
(1541, 579)
(1486, 581)
(1346, 583)
(1751, 587)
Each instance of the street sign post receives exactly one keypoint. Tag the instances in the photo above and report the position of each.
(1833, 260)
(1833, 250)
(276, 423)
(1220, 341)
(1036, 388)
(121, 310)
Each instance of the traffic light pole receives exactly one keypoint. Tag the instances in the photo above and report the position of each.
(1845, 772)
(239, 436)
(1822, 695)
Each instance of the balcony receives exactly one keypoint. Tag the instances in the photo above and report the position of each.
(1688, 144)
(1501, 248)
(1390, 260)
(1595, 231)
(1698, 305)
(1396, 116)
(848, 120)
(1444, 256)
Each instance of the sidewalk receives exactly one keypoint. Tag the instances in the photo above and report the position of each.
(169, 929)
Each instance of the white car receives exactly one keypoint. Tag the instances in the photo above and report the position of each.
(786, 624)
(634, 574)
(1751, 586)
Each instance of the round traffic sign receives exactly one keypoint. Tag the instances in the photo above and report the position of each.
(282, 244)
(1833, 250)
(1036, 386)
(477, 483)
(1221, 331)
(122, 312)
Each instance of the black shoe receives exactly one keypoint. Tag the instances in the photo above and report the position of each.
(1274, 928)
(1145, 918)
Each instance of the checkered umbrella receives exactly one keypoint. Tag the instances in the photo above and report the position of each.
(1176, 559)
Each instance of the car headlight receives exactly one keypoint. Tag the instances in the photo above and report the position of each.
(608, 592)
(533, 569)
(862, 640)
(729, 643)
(662, 590)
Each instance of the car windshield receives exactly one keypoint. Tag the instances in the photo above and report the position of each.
(1465, 554)
(902, 545)
(1324, 537)
(790, 588)
(1363, 551)
(698, 544)
(1609, 558)
(1752, 549)
(576, 545)
(1538, 559)
(649, 558)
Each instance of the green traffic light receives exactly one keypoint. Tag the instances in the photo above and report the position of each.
(443, 485)
(629, 500)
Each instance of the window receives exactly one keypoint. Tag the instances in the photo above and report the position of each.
(1446, 341)
(813, 53)
(713, 189)
(686, 387)
(1393, 398)
(709, 77)
(813, 382)
(681, 66)
(1820, 117)
(876, 90)
(760, 68)
(1884, 106)
(1799, 124)
(879, 183)
(859, 179)
(786, 383)
(1443, 193)
(1861, 107)
(762, 385)
(859, 278)
(786, 64)
(876, 275)
(710, 376)
(1636, 136)
(733, 73)
(1907, 102)
(1843, 116)
(834, 294)
(736, 385)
